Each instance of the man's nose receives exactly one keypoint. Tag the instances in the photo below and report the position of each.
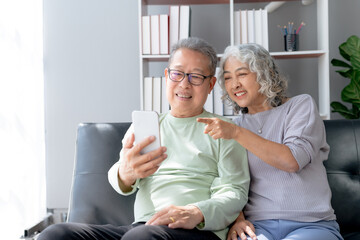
(186, 81)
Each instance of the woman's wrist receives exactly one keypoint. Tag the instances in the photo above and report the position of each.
(241, 217)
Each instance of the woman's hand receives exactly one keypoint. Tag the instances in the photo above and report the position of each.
(218, 128)
(240, 228)
(186, 217)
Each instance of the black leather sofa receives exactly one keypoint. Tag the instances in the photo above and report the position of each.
(97, 149)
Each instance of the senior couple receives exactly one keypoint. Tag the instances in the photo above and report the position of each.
(258, 177)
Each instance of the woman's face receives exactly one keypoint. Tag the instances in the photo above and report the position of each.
(242, 87)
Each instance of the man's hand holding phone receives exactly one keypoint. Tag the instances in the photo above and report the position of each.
(142, 159)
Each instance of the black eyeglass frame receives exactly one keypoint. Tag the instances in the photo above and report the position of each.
(189, 76)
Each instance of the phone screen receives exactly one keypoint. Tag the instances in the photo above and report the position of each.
(146, 123)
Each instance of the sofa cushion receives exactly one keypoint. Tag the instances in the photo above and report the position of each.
(343, 169)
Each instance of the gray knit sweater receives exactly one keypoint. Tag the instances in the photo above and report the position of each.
(275, 194)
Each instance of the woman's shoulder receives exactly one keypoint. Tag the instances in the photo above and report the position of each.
(302, 100)
(302, 105)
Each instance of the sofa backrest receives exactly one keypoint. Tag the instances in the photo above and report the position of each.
(92, 199)
(343, 169)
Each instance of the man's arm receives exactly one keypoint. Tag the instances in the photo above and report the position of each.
(229, 191)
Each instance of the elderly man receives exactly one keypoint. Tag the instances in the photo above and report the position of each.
(193, 186)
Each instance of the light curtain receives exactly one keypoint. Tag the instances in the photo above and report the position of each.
(22, 150)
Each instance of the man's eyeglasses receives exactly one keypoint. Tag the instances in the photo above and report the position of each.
(193, 78)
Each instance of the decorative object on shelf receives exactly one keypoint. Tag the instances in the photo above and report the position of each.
(350, 50)
(291, 36)
(291, 42)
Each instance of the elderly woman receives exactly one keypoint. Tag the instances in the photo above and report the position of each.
(289, 195)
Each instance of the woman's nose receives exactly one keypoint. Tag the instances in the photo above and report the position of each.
(236, 83)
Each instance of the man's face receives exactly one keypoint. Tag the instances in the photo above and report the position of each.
(187, 100)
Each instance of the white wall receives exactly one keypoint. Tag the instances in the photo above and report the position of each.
(91, 69)
(91, 75)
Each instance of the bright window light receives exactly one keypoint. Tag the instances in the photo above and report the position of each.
(22, 150)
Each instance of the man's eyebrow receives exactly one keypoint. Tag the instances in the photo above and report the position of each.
(198, 69)
(177, 66)
(194, 70)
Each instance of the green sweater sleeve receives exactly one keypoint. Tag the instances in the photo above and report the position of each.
(229, 191)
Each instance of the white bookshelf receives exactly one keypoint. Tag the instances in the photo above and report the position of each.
(321, 53)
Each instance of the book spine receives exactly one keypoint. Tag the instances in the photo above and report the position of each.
(146, 42)
(148, 90)
(174, 24)
(265, 39)
(237, 26)
(156, 94)
(155, 34)
(164, 34)
(184, 29)
(244, 26)
(164, 100)
(258, 27)
(251, 26)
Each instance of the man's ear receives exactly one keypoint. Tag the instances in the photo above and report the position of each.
(166, 74)
(212, 84)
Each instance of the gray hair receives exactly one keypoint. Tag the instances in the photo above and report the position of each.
(272, 84)
(198, 45)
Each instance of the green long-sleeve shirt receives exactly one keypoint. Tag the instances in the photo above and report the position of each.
(210, 174)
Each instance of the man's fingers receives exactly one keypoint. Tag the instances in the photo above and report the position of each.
(153, 165)
(205, 120)
(147, 165)
(145, 142)
(157, 215)
(129, 141)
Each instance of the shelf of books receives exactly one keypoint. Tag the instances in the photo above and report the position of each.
(158, 32)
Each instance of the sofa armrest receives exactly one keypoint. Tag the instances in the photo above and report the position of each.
(32, 231)
(51, 218)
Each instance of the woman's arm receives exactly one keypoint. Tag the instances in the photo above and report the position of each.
(274, 154)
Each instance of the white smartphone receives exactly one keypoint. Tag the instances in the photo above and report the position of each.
(146, 123)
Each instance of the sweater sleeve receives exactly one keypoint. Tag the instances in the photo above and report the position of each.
(113, 172)
(305, 132)
(229, 191)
